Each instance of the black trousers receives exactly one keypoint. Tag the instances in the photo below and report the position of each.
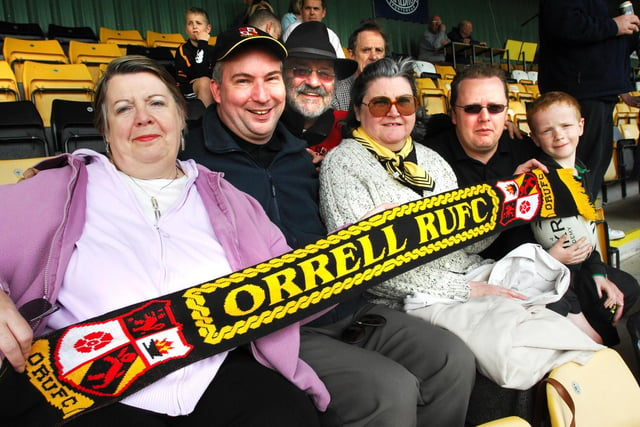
(592, 305)
(243, 393)
(596, 143)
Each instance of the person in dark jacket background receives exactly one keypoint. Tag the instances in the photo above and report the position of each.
(585, 53)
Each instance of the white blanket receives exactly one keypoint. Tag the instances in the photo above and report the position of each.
(515, 342)
(514, 345)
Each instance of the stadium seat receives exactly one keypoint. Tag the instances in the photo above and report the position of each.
(629, 131)
(17, 51)
(533, 76)
(92, 55)
(433, 100)
(512, 51)
(445, 86)
(213, 39)
(507, 422)
(16, 30)
(9, 90)
(518, 92)
(161, 54)
(518, 75)
(22, 133)
(425, 83)
(425, 69)
(446, 71)
(517, 113)
(72, 126)
(122, 38)
(65, 34)
(170, 40)
(45, 82)
(11, 170)
(528, 53)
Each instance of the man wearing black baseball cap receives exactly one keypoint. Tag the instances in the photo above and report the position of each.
(388, 374)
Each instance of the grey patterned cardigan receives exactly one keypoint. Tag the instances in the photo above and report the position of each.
(353, 182)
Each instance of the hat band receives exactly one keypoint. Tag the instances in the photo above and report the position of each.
(310, 50)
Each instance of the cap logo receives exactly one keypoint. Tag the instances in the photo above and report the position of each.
(248, 32)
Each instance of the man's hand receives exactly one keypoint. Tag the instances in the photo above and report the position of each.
(514, 131)
(627, 24)
(632, 101)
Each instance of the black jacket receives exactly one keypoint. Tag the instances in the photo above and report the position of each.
(287, 188)
(579, 52)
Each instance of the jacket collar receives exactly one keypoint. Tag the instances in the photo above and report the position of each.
(219, 139)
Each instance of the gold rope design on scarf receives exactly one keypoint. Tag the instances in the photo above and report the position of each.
(395, 163)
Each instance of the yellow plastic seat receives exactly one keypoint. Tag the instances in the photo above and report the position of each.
(446, 72)
(45, 82)
(513, 48)
(517, 112)
(11, 170)
(629, 131)
(122, 38)
(92, 55)
(433, 100)
(212, 40)
(170, 40)
(17, 51)
(604, 392)
(8, 84)
(507, 422)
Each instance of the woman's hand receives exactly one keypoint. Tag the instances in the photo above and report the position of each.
(483, 289)
(574, 254)
(615, 297)
(15, 334)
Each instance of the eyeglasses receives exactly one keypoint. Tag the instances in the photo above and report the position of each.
(304, 72)
(379, 106)
(357, 332)
(476, 108)
(37, 309)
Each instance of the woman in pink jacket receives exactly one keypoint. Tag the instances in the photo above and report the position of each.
(91, 233)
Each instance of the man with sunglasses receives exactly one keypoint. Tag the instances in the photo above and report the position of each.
(477, 146)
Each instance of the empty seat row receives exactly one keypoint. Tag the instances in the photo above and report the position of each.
(23, 134)
(64, 35)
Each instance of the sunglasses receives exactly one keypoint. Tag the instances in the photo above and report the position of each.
(304, 72)
(381, 105)
(476, 108)
(356, 332)
(36, 310)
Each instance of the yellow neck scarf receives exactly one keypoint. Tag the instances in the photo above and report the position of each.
(401, 169)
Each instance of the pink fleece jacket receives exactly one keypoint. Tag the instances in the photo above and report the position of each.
(43, 217)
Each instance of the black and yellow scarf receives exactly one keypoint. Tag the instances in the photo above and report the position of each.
(396, 163)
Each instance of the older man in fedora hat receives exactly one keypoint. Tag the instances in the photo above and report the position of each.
(310, 74)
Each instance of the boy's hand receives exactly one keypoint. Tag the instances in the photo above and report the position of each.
(573, 254)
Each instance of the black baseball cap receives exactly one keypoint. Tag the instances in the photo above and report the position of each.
(234, 38)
